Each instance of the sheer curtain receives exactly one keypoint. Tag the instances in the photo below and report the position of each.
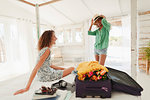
(28, 37)
(18, 44)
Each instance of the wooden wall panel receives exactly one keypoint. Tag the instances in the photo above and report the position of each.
(144, 38)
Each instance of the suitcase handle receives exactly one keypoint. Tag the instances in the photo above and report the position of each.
(97, 88)
(93, 87)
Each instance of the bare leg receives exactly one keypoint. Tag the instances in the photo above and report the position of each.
(97, 58)
(67, 71)
(102, 59)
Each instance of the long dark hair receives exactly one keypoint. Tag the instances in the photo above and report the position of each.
(45, 39)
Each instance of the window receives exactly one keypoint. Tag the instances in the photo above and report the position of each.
(13, 31)
(1, 30)
(79, 35)
(69, 36)
(115, 36)
(60, 37)
(35, 38)
(2, 48)
(42, 30)
(13, 43)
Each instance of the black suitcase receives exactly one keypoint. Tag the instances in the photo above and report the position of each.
(122, 82)
(100, 88)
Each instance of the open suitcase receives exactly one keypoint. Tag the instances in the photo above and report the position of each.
(118, 81)
(122, 82)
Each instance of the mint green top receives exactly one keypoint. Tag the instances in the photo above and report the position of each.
(102, 36)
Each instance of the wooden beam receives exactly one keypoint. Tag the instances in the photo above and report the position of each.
(46, 3)
(116, 23)
(27, 3)
(144, 13)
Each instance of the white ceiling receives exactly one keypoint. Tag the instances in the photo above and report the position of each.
(75, 11)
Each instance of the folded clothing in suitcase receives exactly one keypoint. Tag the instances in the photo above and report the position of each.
(100, 88)
(121, 81)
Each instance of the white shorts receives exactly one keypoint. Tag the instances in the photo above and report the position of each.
(99, 52)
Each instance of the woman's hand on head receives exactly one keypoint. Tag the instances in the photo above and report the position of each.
(103, 16)
(21, 91)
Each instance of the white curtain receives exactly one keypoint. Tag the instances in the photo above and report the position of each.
(20, 48)
(27, 43)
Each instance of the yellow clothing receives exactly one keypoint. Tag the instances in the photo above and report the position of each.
(87, 67)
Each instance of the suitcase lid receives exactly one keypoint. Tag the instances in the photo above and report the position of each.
(120, 77)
